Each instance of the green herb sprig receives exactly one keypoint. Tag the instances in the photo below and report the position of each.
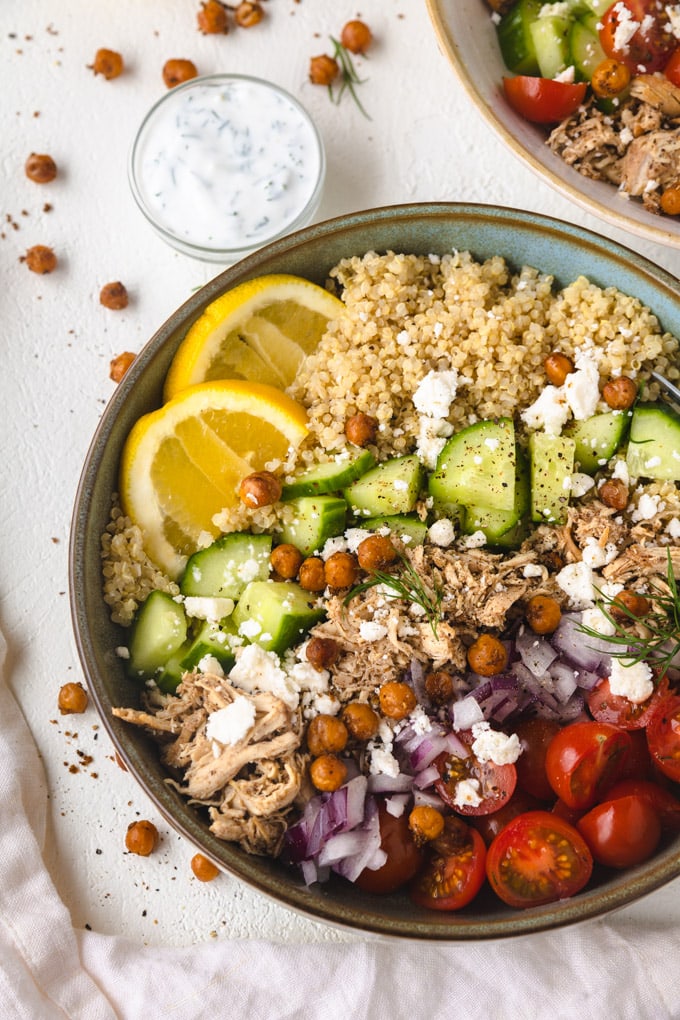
(408, 586)
(348, 76)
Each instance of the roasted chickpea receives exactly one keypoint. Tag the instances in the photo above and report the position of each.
(203, 869)
(248, 14)
(439, 687)
(326, 733)
(620, 393)
(356, 36)
(543, 614)
(176, 71)
(629, 604)
(610, 78)
(311, 575)
(557, 367)
(487, 655)
(212, 18)
(114, 296)
(360, 719)
(670, 200)
(376, 552)
(286, 560)
(361, 429)
(323, 70)
(328, 772)
(426, 823)
(119, 365)
(262, 488)
(108, 63)
(72, 699)
(321, 653)
(40, 168)
(614, 493)
(340, 570)
(40, 259)
(397, 699)
(141, 838)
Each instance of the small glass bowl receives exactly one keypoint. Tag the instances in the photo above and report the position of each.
(226, 163)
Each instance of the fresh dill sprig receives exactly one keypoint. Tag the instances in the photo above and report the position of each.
(408, 586)
(661, 643)
(348, 76)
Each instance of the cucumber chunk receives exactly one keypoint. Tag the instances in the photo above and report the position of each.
(332, 477)
(654, 444)
(477, 466)
(158, 632)
(211, 639)
(598, 438)
(225, 567)
(550, 36)
(497, 523)
(315, 520)
(552, 465)
(170, 675)
(514, 37)
(585, 50)
(390, 488)
(598, 7)
(408, 527)
(282, 610)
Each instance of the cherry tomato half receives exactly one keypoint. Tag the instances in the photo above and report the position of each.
(612, 708)
(664, 803)
(488, 826)
(621, 832)
(495, 784)
(534, 736)
(672, 68)
(584, 759)
(538, 858)
(663, 736)
(455, 872)
(652, 43)
(403, 856)
(542, 100)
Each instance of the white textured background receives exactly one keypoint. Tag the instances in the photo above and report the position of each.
(424, 142)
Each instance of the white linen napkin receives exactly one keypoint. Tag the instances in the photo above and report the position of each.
(49, 971)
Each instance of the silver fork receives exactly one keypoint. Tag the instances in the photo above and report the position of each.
(669, 388)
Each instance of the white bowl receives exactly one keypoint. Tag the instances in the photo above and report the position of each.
(467, 36)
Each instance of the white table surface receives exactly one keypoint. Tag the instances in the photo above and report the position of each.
(425, 142)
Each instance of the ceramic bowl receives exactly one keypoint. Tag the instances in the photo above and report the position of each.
(467, 36)
(524, 239)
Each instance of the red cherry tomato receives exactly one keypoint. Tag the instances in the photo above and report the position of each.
(538, 858)
(664, 803)
(496, 783)
(621, 832)
(651, 44)
(663, 736)
(488, 826)
(672, 68)
(403, 856)
(542, 100)
(584, 759)
(534, 736)
(639, 764)
(611, 708)
(455, 872)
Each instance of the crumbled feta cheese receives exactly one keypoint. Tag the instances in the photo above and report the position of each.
(333, 545)
(576, 581)
(580, 484)
(595, 619)
(354, 537)
(249, 629)
(673, 527)
(201, 607)
(420, 720)
(631, 680)
(230, 724)
(532, 570)
(474, 541)
(626, 27)
(209, 664)
(596, 555)
(442, 532)
(549, 411)
(582, 387)
(567, 75)
(123, 652)
(620, 471)
(673, 11)
(467, 793)
(382, 761)
(495, 746)
(435, 393)
(371, 631)
(647, 507)
(259, 670)
(307, 678)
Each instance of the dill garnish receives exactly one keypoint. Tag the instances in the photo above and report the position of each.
(661, 641)
(407, 586)
(348, 76)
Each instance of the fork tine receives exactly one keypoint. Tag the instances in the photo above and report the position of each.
(668, 386)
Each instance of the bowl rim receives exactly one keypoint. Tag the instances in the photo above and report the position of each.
(285, 890)
(219, 253)
(450, 48)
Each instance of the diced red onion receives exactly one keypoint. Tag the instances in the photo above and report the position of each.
(309, 872)
(580, 649)
(426, 778)
(383, 783)
(428, 798)
(466, 712)
(455, 746)
(536, 652)
(396, 804)
(430, 747)
(564, 680)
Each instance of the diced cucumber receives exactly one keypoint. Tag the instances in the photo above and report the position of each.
(158, 632)
(598, 438)
(654, 443)
(282, 610)
(389, 488)
(211, 639)
(550, 36)
(477, 466)
(552, 465)
(409, 527)
(598, 7)
(169, 676)
(332, 477)
(585, 50)
(514, 37)
(225, 567)
(315, 519)
(497, 523)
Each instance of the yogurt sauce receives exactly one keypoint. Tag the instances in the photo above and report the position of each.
(227, 163)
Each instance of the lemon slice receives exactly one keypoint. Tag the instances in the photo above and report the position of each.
(259, 331)
(184, 463)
